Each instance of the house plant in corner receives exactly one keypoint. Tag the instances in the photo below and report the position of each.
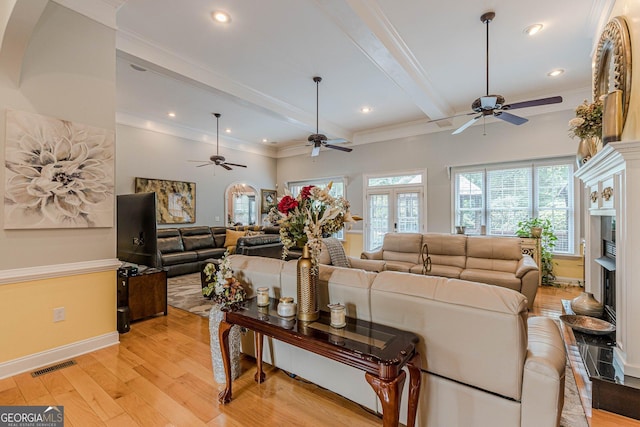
(226, 292)
(530, 228)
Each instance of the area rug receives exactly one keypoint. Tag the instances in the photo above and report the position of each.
(185, 292)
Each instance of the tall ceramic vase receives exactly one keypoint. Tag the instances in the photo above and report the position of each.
(215, 317)
(586, 305)
(308, 309)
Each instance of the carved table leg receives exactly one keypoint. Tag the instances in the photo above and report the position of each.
(414, 365)
(259, 377)
(389, 392)
(223, 333)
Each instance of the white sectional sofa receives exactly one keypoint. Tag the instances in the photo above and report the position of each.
(484, 362)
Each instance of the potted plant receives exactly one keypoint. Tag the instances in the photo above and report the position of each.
(534, 227)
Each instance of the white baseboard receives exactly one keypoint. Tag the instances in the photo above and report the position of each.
(59, 354)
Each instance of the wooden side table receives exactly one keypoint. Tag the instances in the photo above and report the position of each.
(146, 293)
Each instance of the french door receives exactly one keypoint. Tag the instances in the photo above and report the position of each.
(392, 209)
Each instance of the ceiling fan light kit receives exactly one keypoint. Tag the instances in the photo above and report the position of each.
(495, 105)
(317, 139)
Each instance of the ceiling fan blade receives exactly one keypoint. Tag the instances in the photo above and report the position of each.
(224, 165)
(534, 103)
(337, 147)
(235, 164)
(514, 120)
(315, 151)
(488, 102)
(451, 117)
(206, 164)
(466, 125)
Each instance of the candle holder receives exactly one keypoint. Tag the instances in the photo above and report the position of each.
(338, 315)
(263, 297)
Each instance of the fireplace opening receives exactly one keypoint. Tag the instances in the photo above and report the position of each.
(608, 263)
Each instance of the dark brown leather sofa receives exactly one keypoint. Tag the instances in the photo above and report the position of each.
(184, 250)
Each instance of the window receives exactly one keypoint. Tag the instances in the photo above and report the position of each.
(499, 196)
(337, 190)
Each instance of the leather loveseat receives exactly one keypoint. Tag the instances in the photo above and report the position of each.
(484, 361)
(493, 260)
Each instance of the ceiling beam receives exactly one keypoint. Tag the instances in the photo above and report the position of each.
(364, 22)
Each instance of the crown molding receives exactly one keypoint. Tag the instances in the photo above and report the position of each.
(128, 119)
(102, 11)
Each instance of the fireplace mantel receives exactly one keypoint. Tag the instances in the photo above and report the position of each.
(612, 188)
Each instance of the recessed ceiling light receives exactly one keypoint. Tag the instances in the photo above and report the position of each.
(227, 130)
(137, 67)
(555, 73)
(265, 140)
(366, 110)
(533, 29)
(172, 114)
(221, 17)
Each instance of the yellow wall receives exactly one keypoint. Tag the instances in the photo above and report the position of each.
(353, 244)
(569, 268)
(27, 325)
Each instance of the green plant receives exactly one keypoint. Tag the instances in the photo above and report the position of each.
(547, 244)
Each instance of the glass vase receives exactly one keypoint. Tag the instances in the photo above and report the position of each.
(215, 317)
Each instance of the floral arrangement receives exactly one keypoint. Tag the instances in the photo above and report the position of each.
(305, 219)
(588, 120)
(223, 288)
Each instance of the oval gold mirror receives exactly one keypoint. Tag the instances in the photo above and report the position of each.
(612, 70)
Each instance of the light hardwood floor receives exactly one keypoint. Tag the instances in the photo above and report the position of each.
(161, 375)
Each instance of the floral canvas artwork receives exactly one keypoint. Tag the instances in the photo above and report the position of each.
(58, 174)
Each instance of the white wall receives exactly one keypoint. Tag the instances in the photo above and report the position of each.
(68, 72)
(148, 154)
(543, 136)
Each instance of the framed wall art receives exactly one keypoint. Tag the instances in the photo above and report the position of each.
(58, 173)
(176, 200)
(267, 199)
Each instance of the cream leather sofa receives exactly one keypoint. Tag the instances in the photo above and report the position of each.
(484, 363)
(493, 260)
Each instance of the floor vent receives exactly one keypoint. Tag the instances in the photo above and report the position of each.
(53, 368)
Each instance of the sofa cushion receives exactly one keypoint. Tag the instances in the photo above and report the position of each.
(492, 277)
(493, 253)
(231, 237)
(447, 250)
(210, 253)
(439, 270)
(196, 238)
(404, 247)
(170, 244)
(178, 258)
(400, 265)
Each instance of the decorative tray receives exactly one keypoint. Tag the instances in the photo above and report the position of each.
(588, 325)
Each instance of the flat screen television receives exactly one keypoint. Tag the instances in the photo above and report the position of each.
(136, 235)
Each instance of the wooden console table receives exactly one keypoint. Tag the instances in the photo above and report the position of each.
(379, 350)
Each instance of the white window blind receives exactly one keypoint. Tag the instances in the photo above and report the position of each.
(499, 196)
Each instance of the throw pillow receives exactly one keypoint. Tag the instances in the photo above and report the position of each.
(231, 238)
(254, 233)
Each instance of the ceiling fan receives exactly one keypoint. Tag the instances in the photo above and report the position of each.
(494, 105)
(217, 159)
(319, 140)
